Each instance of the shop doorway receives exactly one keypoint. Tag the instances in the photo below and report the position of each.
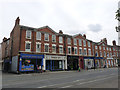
(81, 64)
(73, 64)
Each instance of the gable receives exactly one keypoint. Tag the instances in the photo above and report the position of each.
(46, 29)
(78, 36)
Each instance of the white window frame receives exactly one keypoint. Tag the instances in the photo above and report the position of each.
(48, 47)
(100, 53)
(46, 35)
(74, 50)
(103, 48)
(90, 52)
(80, 42)
(104, 54)
(53, 38)
(29, 50)
(97, 53)
(96, 47)
(52, 48)
(37, 36)
(38, 43)
(88, 44)
(81, 51)
(69, 41)
(68, 49)
(84, 42)
(84, 51)
(62, 49)
(60, 39)
(100, 47)
(27, 34)
(75, 41)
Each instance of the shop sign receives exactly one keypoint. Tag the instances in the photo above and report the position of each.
(109, 58)
(53, 57)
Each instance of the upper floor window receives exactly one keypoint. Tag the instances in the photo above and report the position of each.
(107, 48)
(60, 39)
(85, 51)
(46, 37)
(100, 54)
(27, 46)
(80, 42)
(28, 34)
(113, 49)
(104, 54)
(80, 51)
(38, 36)
(89, 51)
(110, 49)
(100, 47)
(75, 41)
(53, 38)
(69, 40)
(46, 48)
(75, 50)
(88, 44)
(69, 50)
(96, 47)
(84, 42)
(103, 48)
(96, 53)
(53, 48)
(38, 47)
(60, 49)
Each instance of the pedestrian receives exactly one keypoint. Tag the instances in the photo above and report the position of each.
(79, 69)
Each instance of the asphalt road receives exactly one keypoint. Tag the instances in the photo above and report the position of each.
(99, 78)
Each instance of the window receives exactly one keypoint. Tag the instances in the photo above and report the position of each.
(46, 48)
(75, 41)
(85, 51)
(104, 54)
(28, 34)
(80, 51)
(88, 44)
(107, 48)
(103, 48)
(46, 37)
(95, 47)
(38, 47)
(84, 42)
(38, 35)
(53, 38)
(100, 54)
(60, 49)
(96, 53)
(110, 49)
(75, 50)
(69, 40)
(89, 51)
(80, 42)
(113, 49)
(100, 47)
(28, 46)
(110, 54)
(60, 39)
(53, 48)
(107, 54)
(69, 50)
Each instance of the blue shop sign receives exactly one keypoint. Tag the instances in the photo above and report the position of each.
(88, 57)
(98, 57)
(31, 56)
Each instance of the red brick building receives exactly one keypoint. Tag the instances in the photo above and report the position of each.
(30, 47)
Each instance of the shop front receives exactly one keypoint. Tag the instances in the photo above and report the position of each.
(110, 62)
(99, 62)
(30, 62)
(89, 62)
(55, 63)
(73, 62)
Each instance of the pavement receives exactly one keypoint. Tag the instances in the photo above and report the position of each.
(98, 78)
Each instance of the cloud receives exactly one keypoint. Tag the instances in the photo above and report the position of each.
(95, 27)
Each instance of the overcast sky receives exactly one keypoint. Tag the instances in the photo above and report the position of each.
(95, 18)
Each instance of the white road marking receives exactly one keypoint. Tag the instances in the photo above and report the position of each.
(67, 86)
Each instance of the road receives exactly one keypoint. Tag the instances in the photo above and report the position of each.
(99, 78)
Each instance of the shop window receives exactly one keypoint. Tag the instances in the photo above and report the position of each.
(28, 46)
(60, 39)
(61, 49)
(38, 35)
(46, 48)
(69, 50)
(69, 40)
(46, 37)
(28, 34)
(38, 47)
(53, 38)
(80, 42)
(53, 49)
(75, 41)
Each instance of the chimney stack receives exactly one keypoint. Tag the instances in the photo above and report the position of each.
(60, 31)
(84, 35)
(17, 21)
(105, 40)
(114, 43)
(4, 39)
